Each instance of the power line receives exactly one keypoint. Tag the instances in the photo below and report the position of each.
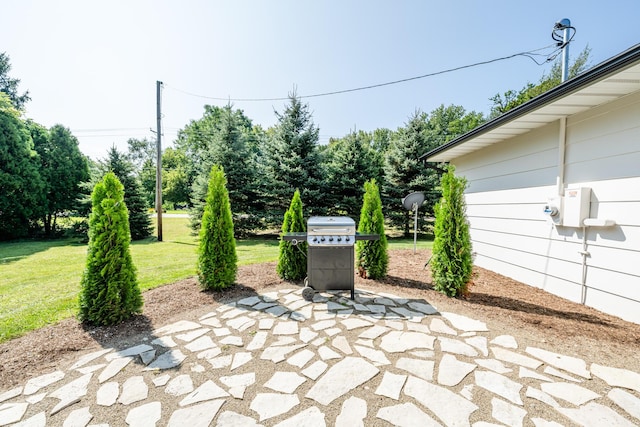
(528, 54)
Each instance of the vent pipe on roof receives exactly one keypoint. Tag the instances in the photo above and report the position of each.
(565, 26)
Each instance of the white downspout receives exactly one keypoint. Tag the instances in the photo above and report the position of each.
(562, 145)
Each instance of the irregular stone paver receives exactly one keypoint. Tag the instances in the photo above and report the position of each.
(452, 371)
(12, 412)
(71, 392)
(207, 391)
(451, 345)
(285, 382)
(451, 408)
(465, 323)
(146, 415)
(196, 416)
(507, 413)
(108, 394)
(352, 413)
(617, 377)
(438, 326)
(391, 385)
(406, 415)
(78, 418)
(233, 419)
(33, 385)
(500, 385)
(269, 405)
(311, 417)
(626, 401)
(168, 360)
(134, 390)
(595, 414)
(400, 342)
(506, 341)
(182, 384)
(303, 334)
(570, 364)
(315, 370)
(572, 393)
(420, 368)
(373, 355)
(543, 397)
(342, 377)
(515, 358)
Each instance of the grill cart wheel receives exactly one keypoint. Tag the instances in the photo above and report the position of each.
(308, 292)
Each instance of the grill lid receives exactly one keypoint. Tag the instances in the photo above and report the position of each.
(331, 225)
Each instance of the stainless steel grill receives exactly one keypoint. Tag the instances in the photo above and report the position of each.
(330, 255)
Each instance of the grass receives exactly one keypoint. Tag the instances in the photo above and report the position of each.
(40, 280)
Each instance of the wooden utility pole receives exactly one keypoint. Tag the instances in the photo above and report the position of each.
(159, 161)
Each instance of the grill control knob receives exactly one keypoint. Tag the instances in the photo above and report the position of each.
(346, 239)
(322, 239)
(331, 239)
(339, 239)
(315, 239)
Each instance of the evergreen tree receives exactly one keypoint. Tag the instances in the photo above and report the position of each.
(9, 85)
(221, 137)
(292, 160)
(349, 162)
(21, 185)
(451, 264)
(292, 261)
(404, 173)
(217, 259)
(109, 288)
(121, 166)
(372, 258)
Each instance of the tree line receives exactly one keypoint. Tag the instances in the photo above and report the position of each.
(43, 174)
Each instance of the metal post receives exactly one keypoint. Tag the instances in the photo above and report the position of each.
(565, 24)
(415, 227)
(159, 162)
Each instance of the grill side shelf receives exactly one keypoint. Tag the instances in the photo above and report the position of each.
(367, 236)
(296, 235)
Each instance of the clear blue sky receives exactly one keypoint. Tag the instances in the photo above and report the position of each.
(92, 66)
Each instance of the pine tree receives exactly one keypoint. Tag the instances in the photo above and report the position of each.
(292, 160)
(217, 259)
(292, 261)
(109, 288)
(139, 221)
(372, 258)
(451, 264)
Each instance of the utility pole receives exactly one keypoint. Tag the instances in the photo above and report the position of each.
(159, 160)
(565, 26)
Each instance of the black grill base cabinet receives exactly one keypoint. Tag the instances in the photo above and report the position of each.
(331, 268)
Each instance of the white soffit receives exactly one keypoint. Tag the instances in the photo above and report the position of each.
(616, 86)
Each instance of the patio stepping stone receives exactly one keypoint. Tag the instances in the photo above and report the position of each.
(180, 385)
(285, 382)
(88, 358)
(12, 412)
(315, 370)
(35, 384)
(352, 413)
(196, 416)
(78, 418)
(507, 413)
(400, 341)
(168, 360)
(376, 356)
(311, 417)
(570, 364)
(438, 326)
(557, 373)
(595, 414)
(10, 394)
(207, 391)
(451, 408)
(626, 401)
(406, 415)
(342, 344)
(417, 367)
(543, 397)
(465, 323)
(527, 373)
(500, 385)
(258, 341)
(71, 392)
(571, 393)
(146, 415)
(452, 371)
(451, 345)
(108, 394)
(38, 420)
(506, 341)
(269, 405)
(342, 377)
(493, 365)
(515, 358)
(233, 419)
(391, 385)
(617, 377)
(134, 390)
(174, 328)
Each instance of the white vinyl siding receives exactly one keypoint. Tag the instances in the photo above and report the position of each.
(510, 183)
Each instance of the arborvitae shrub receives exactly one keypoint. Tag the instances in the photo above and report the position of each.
(451, 264)
(292, 260)
(217, 258)
(110, 291)
(372, 258)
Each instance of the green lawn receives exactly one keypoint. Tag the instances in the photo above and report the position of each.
(40, 280)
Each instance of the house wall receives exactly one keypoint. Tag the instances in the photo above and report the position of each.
(509, 186)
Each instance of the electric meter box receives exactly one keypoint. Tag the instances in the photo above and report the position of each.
(577, 203)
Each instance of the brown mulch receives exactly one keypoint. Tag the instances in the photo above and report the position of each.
(533, 316)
